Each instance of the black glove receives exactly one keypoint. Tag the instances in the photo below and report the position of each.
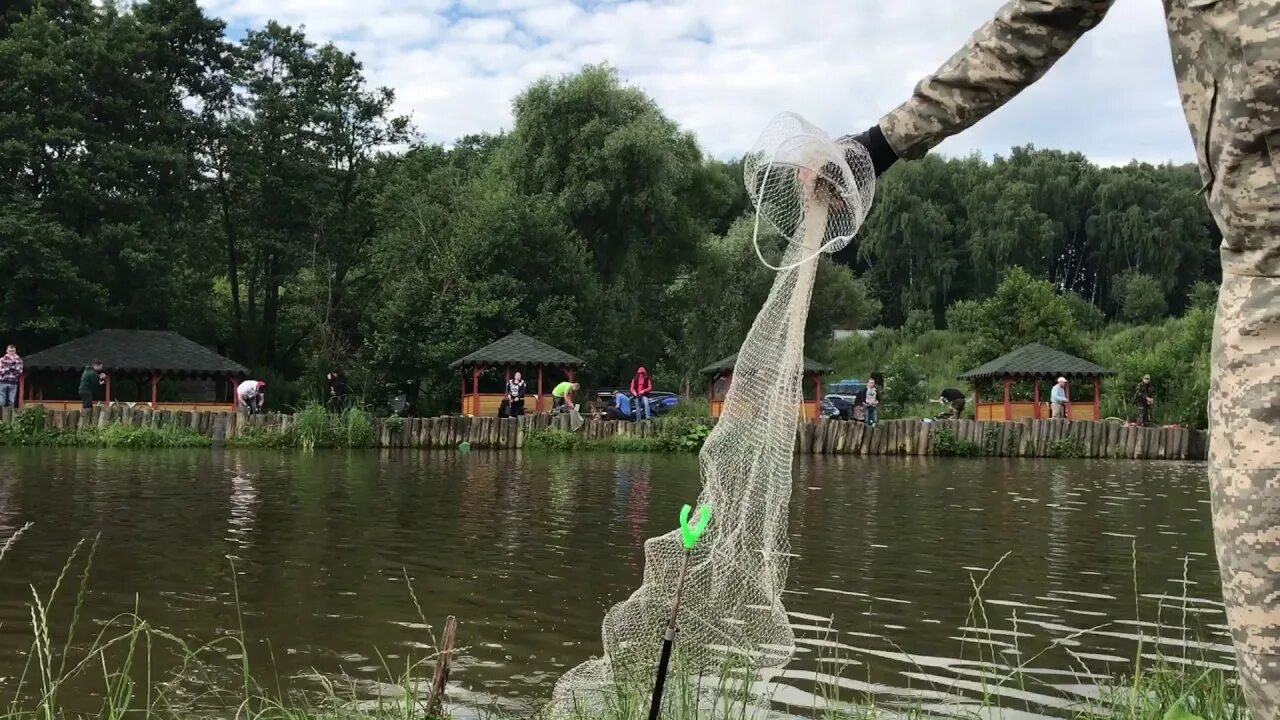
(882, 155)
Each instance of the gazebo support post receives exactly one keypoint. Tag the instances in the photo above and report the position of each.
(108, 391)
(817, 397)
(1008, 403)
(1097, 398)
(977, 401)
(538, 409)
(475, 392)
(22, 389)
(155, 391)
(1036, 383)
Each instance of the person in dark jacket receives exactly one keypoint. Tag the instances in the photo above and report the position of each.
(953, 399)
(90, 380)
(337, 390)
(1144, 397)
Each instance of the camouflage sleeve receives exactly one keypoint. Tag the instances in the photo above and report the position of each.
(1004, 56)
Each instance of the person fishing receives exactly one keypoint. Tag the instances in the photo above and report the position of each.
(1224, 58)
(516, 389)
(562, 396)
(954, 400)
(253, 395)
(1144, 396)
(337, 381)
(91, 379)
(642, 390)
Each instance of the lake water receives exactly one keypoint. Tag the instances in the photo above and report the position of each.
(528, 551)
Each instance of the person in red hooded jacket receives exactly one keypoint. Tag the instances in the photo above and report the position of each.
(641, 390)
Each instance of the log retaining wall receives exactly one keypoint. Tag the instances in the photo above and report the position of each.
(1028, 438)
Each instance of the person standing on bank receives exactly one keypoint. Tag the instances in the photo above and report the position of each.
(872, 403)
(1058, 400)
(1144, 397)
(10, 372)
(516, 389)
(91, 379)
(1225, 58)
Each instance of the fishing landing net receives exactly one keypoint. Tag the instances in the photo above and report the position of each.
(815, 193)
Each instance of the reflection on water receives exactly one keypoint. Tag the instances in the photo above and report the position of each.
(529, 551)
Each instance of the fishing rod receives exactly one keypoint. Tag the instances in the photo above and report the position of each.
(689, 537)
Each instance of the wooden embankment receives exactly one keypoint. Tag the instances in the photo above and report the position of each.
(1026, 439)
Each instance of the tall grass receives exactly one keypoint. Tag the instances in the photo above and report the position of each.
(127, 668)
(314, 427)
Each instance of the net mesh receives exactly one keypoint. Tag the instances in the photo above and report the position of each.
(815, 192)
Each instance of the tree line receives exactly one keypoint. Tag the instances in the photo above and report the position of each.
(259, 196)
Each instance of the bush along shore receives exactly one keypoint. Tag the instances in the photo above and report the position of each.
(313, 427)
(79, 668)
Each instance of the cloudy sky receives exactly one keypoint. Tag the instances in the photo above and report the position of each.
(723, 68)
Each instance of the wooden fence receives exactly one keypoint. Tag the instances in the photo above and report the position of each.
(1027, 438)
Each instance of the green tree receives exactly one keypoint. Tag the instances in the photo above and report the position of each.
(1140, 297)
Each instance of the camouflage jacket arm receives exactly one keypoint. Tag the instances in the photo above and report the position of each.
(1004, 56)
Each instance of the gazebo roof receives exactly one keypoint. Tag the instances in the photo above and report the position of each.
(518, 349)
(155, 351)
(1036, 360)
(727, 364)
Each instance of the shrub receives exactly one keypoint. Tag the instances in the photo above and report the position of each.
(947, 444)
(1066, 448)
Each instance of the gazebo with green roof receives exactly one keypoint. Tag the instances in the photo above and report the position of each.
(204, 379)
(516, 351)
(721, 374)
(1034, 363)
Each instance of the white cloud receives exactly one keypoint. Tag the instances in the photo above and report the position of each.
(723, 69)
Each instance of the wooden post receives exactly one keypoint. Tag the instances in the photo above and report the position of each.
(22, 389)
(475, 392)
(538, 409)
(235, 396)
(155, 391)
(107, 399)
(443, 662)
(977, 401)
(1008, 404)
(1036, 383)
(462, 402)
(1097, 398)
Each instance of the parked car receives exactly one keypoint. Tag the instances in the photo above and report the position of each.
(660, 403)
(841, 404)
(830, 411)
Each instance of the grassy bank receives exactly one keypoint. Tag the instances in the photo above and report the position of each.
(29, 429)
(314, 427)
(676, 434)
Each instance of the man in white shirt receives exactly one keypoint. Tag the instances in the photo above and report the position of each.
(1058, 400)
(253, 393)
